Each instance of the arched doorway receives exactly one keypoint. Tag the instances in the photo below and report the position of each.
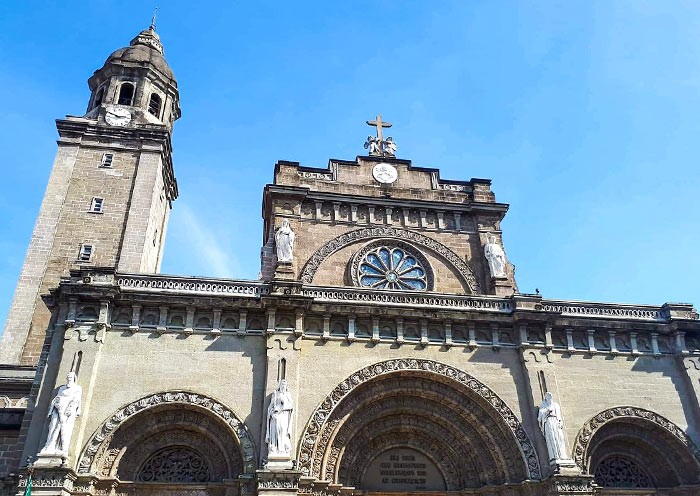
(170, 443)
(633, 448)
(415, 425)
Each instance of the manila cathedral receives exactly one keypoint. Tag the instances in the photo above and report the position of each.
(384, 349)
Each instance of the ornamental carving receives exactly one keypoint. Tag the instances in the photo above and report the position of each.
(310, 439)
(481, 451)
(388, 264)
(586, 433)
(618, 471)
(175, 464)
(396, 234)
(102, 436)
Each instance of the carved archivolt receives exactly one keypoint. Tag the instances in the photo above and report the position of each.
(98, 444)
(483, 451)
(316, 437)
(583, 439)
(351, 237)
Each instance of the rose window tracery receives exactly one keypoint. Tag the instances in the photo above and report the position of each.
(175, 464)
(391, 266)
(617, 471)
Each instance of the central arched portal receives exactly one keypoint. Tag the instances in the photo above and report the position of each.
(416, 425)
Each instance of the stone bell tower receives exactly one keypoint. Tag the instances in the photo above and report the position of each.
(110, 190)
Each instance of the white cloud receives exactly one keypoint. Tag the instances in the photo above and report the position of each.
(212, 257)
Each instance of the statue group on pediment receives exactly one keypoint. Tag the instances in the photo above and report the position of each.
(381, 147)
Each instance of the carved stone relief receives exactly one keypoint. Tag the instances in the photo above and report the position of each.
(617, 471)
(634, 414)
(315, 438)
(99, 442)
(348, 238)
(175, 464)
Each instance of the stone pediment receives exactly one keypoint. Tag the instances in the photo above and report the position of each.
(359, 177)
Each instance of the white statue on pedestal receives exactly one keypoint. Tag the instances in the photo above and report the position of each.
(552, 426)
(495, 256)
(278, 434)
(284, 241)
(64, 409)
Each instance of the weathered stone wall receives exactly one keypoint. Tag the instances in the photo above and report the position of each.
(588, 385)
(8, 446)
(147, 217)
(129, 231)
(233, 370)
(324, 205)
(73, 225)
(19, 318)
(229, 369)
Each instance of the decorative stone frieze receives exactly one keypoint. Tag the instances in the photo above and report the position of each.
(187, 285)
(607, 311)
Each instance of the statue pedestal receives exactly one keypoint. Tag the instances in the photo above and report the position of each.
(50, 460)
(564, 467)
(276, 482)
(279, 462)
(569, 485)
(501, 286)
(284, 271)
(48, 479)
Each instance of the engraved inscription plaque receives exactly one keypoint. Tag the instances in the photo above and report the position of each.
(402, 469)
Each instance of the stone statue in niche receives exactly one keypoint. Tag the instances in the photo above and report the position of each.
(552, 426)
(278, 434)
(284, 241)
(64, 409)
(495, 256)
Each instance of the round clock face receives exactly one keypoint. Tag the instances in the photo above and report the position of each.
(385, 173)
(116, 116)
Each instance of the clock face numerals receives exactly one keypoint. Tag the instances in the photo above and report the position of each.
(385, 173)
(118, 116)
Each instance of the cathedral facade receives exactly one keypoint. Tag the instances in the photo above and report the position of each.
(385, 348)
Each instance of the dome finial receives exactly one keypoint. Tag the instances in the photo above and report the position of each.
(153, 20)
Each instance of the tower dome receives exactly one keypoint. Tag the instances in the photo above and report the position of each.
(143, 51)
(135, 85)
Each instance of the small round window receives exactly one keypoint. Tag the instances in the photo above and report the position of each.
(391, 266)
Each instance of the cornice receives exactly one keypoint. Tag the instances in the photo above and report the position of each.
(304, 192)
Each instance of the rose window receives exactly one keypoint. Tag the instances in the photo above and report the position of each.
(174, 464)
(392, 267)
(616, 471)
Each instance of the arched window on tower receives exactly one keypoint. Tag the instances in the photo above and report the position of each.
(99, 97)
(154, 104)
(126, 94)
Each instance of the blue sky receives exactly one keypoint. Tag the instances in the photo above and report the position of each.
(585, 114)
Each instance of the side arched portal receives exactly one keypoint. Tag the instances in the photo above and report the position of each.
(174, 437)
(400, 421)
(629, 447)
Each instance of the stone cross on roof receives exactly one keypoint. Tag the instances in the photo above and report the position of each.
(380, 147)
(379, 125)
